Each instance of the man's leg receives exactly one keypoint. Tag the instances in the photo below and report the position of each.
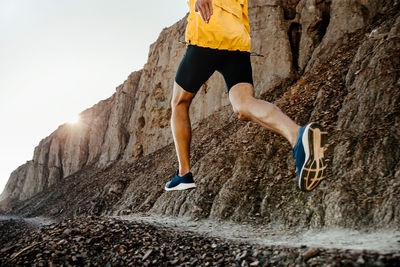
(180, 126)
(181, 131)
(307, 142)
(197, 65)
(268, 115)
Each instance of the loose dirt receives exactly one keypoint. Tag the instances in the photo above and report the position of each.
(381, 241)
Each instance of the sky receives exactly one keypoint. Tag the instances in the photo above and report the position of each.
(58, 58)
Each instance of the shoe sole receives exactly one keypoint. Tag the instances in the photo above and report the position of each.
(314, 167)
(181, 186)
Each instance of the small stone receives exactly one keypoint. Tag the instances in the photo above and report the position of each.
(255, 263)
(311, 253)
(244, 254)
(62, 241)
(147, 254)
(67, 232)
(255, 253)
(122, 250)
(360, 260)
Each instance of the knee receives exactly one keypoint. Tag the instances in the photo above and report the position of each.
(241, 109)
(180, 98)
(242, 98)
(177, 103)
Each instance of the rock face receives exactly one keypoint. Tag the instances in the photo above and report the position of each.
(335, 62)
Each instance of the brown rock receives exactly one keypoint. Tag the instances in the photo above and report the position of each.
(311, 253)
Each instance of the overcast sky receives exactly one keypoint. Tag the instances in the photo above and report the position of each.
(58, 58)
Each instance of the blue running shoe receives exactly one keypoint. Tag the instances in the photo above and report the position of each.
(309, 155)
(180, 183)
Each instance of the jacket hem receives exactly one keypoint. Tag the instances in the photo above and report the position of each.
(214, 46)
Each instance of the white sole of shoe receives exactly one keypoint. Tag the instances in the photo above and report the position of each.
(181, 186)
(306, 150)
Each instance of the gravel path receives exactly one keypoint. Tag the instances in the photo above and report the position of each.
(381, 241)
(105, 241)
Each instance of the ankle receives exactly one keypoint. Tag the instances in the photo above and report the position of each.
(294, 136)
(183, 172)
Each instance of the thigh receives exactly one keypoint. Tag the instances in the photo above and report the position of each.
(196, 67)
(236, 68)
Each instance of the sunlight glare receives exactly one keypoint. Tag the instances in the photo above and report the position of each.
(74, 120)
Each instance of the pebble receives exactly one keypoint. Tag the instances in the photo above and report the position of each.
(311, 253)
(360, 260)
(67, 232)
(147, 254)
(255, 263)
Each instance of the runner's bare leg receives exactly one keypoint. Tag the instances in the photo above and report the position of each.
(262, 112)
(180, 126)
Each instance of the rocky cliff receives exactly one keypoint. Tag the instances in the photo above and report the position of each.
(335, 62)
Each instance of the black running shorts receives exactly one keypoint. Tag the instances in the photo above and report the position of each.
(199, 63)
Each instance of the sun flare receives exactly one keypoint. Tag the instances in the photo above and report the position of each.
(75, 119)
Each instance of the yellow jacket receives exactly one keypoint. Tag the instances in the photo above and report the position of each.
(228, 28)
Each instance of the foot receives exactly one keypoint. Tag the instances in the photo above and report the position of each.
(180, 183)
(309, 155)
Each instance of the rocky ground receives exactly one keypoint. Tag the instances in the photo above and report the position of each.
(104, 241)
